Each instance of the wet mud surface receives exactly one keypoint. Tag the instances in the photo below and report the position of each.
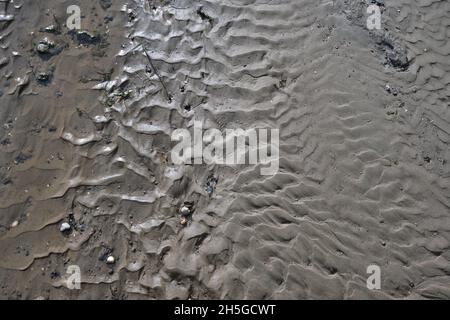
(85, 140)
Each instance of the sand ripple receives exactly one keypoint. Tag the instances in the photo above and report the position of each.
(364, 172)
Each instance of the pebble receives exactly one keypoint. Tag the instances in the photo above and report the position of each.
(387, 87)
(44, 46)
(110, 260)
(391, 89)
(14, 224)
(185, 211)
(64, 227)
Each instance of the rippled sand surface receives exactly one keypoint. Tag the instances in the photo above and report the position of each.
(364, 174)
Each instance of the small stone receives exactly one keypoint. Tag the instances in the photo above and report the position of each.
(14, 224)
(110, 260)
(185, 211)
(387, 87)
(183, 221)
(44, 46)
(391, 90)
(65, 227)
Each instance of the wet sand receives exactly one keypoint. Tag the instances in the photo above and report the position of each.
(85, 139)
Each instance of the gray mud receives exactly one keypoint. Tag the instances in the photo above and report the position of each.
(85, 138)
